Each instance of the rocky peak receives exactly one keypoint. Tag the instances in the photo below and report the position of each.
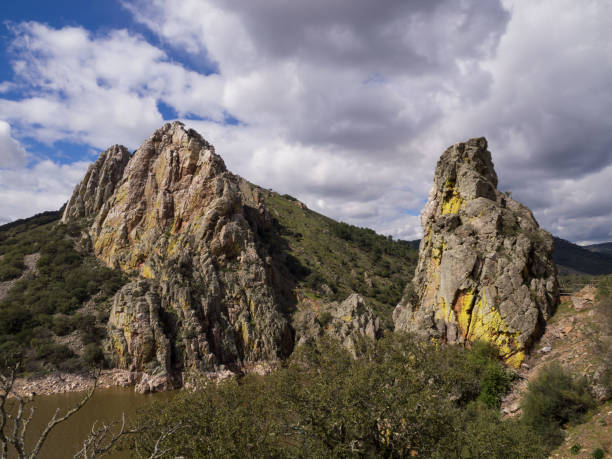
(485, 269)
(184, 228)
(98, 185)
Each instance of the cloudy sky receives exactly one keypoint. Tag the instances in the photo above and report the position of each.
(345, 104)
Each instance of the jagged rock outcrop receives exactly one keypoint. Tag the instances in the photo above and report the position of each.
(347, 322)
(185, 228)
(485, 269)
(98, 185)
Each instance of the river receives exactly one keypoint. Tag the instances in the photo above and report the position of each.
(106, 405)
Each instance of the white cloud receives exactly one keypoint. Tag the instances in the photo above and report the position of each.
(99, 90)
(45, 186)
(348, 104)
(12, 154)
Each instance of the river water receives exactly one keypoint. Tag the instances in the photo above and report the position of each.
(106, 405)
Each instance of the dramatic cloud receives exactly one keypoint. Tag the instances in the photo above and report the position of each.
(347, 104)
(388, 88)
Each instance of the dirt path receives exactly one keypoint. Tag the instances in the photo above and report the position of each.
(31, 270)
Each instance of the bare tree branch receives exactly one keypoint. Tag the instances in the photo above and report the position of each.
(157, 453)
(98, 442)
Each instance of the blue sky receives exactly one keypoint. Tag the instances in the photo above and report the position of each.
(346, 104)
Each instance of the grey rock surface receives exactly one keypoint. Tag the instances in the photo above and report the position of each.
(485, 269)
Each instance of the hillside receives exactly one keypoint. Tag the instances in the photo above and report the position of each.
(574, 259)
(54, 296)
(605, 247)
(330, 259)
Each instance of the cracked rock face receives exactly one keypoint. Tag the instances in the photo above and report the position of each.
(347, 322)
(184, 228)
(98, 185)
(485, 269)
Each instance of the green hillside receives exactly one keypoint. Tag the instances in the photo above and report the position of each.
(328, 260)
(54, 296)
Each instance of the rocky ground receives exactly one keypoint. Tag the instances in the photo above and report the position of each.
(577, 338)
(574, 338)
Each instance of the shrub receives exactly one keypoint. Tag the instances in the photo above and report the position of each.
(62, 325)
(554, 399)
(325, 318)
(392, 400)
(495, 383)
(93, 355)
(52, 353)
(598, 454)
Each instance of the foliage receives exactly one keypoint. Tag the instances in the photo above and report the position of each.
(44, 306)
(398, 398)
(575, 449)
(93, 355)
(553, 399)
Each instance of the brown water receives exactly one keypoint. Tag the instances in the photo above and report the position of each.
(106, 405)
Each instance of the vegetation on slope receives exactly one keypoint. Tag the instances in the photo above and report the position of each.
(41, 309)
(329, 259)
(399, 398)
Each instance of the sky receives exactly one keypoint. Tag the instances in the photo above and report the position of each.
(344, 104)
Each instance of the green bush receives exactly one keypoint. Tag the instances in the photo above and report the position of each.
(93, 355)
(325, 318)
(598, 454)
(554, 399)
(62, 325)
(52, 353)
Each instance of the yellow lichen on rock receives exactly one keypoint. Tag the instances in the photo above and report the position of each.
(486, 324)
(146, 272)
(245, 334)
(452, 202)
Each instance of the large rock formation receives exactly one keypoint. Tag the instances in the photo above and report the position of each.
(185, 229)
(485, 269)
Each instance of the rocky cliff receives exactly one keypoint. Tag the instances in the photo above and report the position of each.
(485, 269)
(184, 228)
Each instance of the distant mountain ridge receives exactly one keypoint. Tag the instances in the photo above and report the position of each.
(574, 259)
(605, 247)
